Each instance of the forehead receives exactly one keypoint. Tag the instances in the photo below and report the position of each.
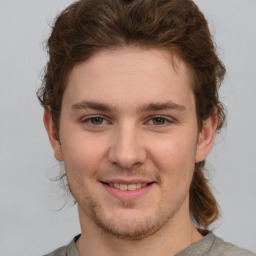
(133, 73)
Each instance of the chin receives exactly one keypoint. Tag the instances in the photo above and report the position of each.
(127, 222)
(128, 226)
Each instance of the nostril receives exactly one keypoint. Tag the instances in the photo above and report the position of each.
(126, 151)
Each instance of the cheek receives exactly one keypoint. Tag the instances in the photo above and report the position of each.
(175, 160)
(175, 154)
(82, 153)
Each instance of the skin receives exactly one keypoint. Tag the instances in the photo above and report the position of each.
(128, 115)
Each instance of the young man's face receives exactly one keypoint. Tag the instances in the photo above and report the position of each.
(129, 140)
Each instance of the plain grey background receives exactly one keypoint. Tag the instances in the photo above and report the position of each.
(30, 223)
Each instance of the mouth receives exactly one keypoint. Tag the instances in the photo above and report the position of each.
(130, 187)
(128, 190)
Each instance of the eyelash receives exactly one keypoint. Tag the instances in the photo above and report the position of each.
(88, 121)
(165, 119)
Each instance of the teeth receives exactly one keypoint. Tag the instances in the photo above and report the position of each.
(123, 187)
(138, 185)
(116, 185)
(133, 186)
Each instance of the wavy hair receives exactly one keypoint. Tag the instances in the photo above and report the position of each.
(178, 26)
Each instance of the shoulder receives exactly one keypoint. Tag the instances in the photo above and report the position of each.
(62, 251)
(69, 250)
(220, 247)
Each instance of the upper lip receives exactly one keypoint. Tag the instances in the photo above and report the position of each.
(126, 181)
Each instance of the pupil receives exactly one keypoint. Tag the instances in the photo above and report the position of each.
(97, 120)
(158, 120)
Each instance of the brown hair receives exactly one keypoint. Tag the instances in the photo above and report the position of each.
(88, 26)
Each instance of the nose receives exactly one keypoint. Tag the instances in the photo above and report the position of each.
(127, 148)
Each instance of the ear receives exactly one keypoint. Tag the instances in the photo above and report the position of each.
(206, 137)
(52, 134)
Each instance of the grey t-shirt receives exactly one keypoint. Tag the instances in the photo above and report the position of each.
(210, 245)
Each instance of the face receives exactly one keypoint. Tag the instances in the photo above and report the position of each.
(129, 140)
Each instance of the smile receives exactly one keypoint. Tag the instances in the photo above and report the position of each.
(128, 190)
(122, 186)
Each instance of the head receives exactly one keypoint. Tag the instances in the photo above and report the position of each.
(89, 27)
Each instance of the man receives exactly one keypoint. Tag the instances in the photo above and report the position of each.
(131, 108)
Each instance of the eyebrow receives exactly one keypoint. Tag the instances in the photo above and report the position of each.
(93, 105)
(169, 105)
(161, 106)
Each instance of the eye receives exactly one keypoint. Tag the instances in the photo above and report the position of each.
(160, 121)
(94, 121)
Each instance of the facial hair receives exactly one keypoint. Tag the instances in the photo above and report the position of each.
(139, 228)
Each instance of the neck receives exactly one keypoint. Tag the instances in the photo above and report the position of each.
(175, 236)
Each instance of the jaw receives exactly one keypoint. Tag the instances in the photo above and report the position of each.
(171, 236)
(134, 216)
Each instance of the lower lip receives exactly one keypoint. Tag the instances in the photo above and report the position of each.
(128, 194)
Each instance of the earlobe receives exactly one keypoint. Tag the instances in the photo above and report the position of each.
(52, 134)
(206, 137)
